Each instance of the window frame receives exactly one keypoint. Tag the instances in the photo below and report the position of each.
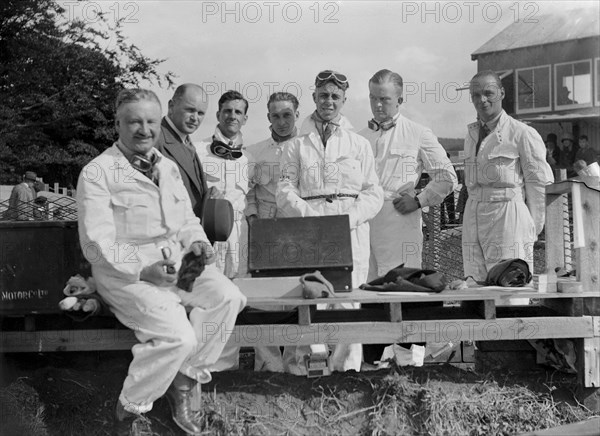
(578, 105)
(518, 110)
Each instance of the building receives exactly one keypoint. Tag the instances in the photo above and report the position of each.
(550, 70)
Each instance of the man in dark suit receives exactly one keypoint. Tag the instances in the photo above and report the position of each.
(186, 112)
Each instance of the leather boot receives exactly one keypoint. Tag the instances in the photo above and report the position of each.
(185, 406)
(130, 424)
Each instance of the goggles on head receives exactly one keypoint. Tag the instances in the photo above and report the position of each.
(327, 75)
(225, 151)
(383, 125)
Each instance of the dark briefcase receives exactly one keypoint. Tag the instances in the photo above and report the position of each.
(294, 246)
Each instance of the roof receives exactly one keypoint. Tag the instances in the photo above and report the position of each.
(550, 28)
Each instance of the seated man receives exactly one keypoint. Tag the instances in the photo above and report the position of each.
(132, 202)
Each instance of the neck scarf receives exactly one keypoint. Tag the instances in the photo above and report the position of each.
(278, 138)
(325, 128)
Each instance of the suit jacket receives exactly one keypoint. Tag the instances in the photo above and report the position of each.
(171, 146)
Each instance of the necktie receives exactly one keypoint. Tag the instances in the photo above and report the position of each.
(188, 143)
(327, 131)
(483, 132)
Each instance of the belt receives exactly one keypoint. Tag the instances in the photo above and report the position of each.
(330, 197)
(486, 194)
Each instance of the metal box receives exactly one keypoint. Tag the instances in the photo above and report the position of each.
(36, 260)
(295, 246)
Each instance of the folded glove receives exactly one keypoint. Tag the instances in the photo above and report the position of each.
(314, 285)
(191, 267)
(509, 273)
(401, 279)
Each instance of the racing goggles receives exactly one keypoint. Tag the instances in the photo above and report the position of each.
(225, 151)
(329, 75)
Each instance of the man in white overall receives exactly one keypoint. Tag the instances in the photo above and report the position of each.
(506, 173)
(331, 171)
(226, 170)
(263, 173)
(132, 203)
(403, 149)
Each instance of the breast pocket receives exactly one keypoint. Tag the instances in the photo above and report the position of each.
(502, 166)
(349, 173)
(131, 215)
(401, 167)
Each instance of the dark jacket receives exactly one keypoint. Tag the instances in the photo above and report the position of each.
(189, 165)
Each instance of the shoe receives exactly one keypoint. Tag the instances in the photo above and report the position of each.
(130, 424)
(185, 408)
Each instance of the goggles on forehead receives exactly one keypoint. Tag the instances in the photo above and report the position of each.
(225, 151)
(326, 75)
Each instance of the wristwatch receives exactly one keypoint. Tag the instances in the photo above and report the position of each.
(418, 202)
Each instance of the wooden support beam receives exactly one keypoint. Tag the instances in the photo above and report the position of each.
(588, 257)
(304, 315)
(395, 312)
(332, 333)
(555, 244)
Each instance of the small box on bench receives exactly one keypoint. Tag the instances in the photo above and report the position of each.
(295, 246)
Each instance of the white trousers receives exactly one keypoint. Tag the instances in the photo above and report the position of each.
(395, 239)
(493, 231)
(169, 342)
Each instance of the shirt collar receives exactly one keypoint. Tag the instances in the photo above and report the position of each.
(181, 135)
(235, 142)
(491, 124)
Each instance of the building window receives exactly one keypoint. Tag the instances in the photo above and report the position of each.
(533, 89)
(573, 85)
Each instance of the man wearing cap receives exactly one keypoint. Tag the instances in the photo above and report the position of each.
(566, 154)
(331, 171)
(226, 169)
(20, 205)
(135, 224)
(403, 149)
(185, 115)
(506, 173)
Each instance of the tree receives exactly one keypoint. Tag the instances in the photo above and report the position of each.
(58, 82)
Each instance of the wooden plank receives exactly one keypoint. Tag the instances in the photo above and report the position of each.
(588, 257)
(67, 340)
(487, 309)
(332, 333)
(395, 312)
(555, 244)
(591, 364)
(270, 287)
(304, 315)
(497, 293)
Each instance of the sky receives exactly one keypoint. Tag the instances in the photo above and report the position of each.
(265, 46)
